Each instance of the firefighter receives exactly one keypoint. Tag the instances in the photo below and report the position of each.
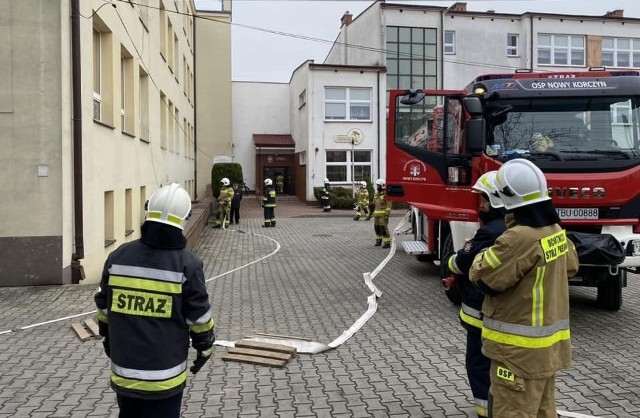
(381, 213)
(223, 204)
(363, 202)
(524, 276)
(280, 183)
(491, 213)
(151, 302)
(326, 204)
(269, 204)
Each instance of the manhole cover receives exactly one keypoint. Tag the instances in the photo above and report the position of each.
(322, 235)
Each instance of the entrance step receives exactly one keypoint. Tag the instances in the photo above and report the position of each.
(415, 247)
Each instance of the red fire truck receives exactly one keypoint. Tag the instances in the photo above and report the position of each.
(581, 128)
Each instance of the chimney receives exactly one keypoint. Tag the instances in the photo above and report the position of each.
(458, 7)
(615, 13)
(346, 18)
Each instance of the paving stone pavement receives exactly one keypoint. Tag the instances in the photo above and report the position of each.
(406, 361)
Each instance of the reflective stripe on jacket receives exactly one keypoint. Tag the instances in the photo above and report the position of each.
(526, 312)
(269, 198)
(382, 205)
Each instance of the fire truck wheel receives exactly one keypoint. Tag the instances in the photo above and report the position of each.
(610, 291)
(447, 249)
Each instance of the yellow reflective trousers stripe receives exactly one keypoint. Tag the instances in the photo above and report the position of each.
(474, 322)
(144, 284)
(149, 386)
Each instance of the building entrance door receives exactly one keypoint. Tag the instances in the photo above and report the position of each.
(281, 177)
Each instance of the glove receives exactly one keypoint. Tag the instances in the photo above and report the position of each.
(201, 359)
(449, 282)
(107, 347)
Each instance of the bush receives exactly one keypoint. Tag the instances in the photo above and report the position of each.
(339, 197)
(232, 171)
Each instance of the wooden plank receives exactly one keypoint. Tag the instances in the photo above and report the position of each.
(265, 346)
(261, 353)
(80, 331)
(254, 360)
(92, 326)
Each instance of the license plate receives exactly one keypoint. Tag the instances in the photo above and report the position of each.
(578, 213)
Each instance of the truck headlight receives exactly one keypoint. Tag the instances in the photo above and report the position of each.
(633, 247)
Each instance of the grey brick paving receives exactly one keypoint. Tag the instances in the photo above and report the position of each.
(407, 361)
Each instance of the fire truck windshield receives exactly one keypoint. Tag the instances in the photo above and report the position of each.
(571, 128)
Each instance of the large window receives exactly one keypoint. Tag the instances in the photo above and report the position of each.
(411, 58)
(126, 92)
(343, 103)
(621, 52)
(102, 72)
(561, 50)
(143, 104)
(348, 165)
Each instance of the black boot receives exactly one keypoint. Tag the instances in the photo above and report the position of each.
(273, 224)
(356, 218)
(386, 245)
(378, 242)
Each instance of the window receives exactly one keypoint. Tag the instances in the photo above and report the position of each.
(348, 165)
(621, 113)
(164, 127)
(102, 73)
(176, 55)
(143, 6)
(342, 103)
(97, 74)
(126, 92)
(449, 42)
(302, 158)
(176, 131)
(163, 31)
(142, 203)
(128, 212)
(302, 99)
(512, 45)
(561, 50)
(411, 58)
(109, 221)
(170, 44)
(143, 105)
(621, 52)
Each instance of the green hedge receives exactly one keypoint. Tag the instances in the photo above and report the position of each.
(339, 197)
(232, 171)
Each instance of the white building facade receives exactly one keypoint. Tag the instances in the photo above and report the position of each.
(393, 46)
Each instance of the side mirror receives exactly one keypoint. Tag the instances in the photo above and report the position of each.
(414, 97)
(475, 135)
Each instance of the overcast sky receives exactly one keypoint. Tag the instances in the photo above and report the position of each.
(258, 54)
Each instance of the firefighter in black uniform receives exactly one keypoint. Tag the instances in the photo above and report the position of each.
(491, 213)
(151, 301)
(269, 204)
(326, 204)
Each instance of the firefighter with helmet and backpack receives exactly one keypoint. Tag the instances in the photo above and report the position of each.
(525, 279)
(381, 212)
(152, 303)
(269, 204)
(326, 204)
(491, 214)
(223, 207)
(363, 202)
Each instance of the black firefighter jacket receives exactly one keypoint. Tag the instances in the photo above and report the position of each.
(152, 297)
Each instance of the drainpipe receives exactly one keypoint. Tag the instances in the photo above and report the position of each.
(77, 270)
(442, 49)
(531, 43)
(195, 115)
(379, 122)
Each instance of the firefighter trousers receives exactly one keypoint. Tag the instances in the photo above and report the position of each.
(477, 370)
(512, 396)
(149, 408)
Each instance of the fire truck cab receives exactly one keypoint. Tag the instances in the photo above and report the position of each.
(582, 129)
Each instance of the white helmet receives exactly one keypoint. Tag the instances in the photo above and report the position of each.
(268, 182)
(485, 184)
(520, 183)
(326, 180)
(225, 182)
(380, 182)
(363, 184)
(169, 205)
